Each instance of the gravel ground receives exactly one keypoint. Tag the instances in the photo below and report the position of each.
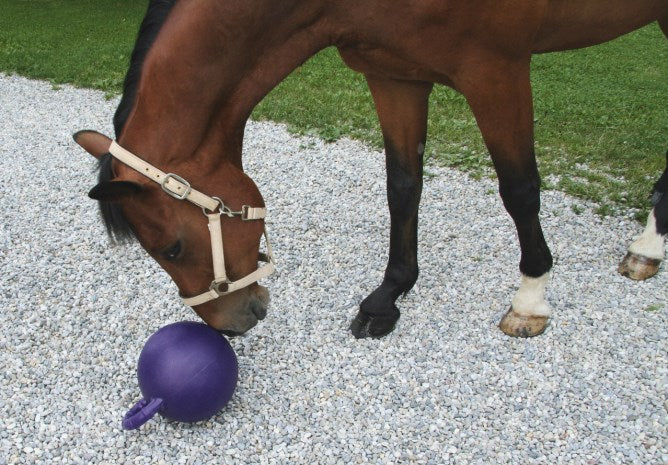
(446, 387)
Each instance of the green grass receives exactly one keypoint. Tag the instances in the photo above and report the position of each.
(653, 308)
(84, 42)
(601, 113)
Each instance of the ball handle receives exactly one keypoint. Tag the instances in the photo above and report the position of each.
(142, 412)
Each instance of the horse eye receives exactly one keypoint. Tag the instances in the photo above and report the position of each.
(173, 252)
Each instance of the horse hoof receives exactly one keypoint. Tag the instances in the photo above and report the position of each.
(638, 267)
(375, 327)
(516, 325)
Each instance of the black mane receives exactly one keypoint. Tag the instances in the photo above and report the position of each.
(117, 226)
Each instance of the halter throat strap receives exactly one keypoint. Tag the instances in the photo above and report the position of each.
(213, 208)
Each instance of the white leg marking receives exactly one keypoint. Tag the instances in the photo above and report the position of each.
(650, 243)
(530, 297)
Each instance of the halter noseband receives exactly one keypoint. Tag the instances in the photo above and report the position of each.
(213, 208)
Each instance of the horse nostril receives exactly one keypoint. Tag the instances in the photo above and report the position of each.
(258, 309)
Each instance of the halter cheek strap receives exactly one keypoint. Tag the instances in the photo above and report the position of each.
(221, 285)
(213, 208)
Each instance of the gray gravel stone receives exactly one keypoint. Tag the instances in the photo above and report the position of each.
(446, 387)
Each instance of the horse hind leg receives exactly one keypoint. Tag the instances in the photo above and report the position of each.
(646, 253)
(402, 111)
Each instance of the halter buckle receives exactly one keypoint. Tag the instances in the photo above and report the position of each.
(221, 287)
(176, 195)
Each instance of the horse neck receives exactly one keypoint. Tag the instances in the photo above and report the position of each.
(210, 65)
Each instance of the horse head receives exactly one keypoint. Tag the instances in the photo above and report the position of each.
(215, 272)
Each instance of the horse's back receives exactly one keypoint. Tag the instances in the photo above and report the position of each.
(432, 38)
(570, 24)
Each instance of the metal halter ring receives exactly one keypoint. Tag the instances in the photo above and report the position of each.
(220, 287)
(221, 207)
(227, 211)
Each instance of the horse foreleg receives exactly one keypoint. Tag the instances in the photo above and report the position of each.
(402, 111)
(646, 253)
(499, 93)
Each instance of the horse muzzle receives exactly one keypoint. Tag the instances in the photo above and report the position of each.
(236, 316)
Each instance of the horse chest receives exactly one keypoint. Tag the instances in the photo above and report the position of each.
(394, 65)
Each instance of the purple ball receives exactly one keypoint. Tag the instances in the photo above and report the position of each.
(187, 372)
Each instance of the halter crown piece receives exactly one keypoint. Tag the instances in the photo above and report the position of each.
(213, 208)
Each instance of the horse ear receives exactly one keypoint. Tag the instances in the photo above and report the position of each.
(93, 142)
(113, 191)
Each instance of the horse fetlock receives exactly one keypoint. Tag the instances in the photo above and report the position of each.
(638, 267)
(529, 312)
(380, 303)
(645, 253)
(519, 325)
(529, 300)
(398, 281)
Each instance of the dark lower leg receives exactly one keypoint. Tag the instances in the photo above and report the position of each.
(529, 311)
(403, 192)
(402, 110)
(521, 197)
(378, 312)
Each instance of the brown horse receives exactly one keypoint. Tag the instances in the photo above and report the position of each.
(200, 66)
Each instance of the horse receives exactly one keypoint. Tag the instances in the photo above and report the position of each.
(199, 67)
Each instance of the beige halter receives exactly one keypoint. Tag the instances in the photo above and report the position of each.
(213, 208)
